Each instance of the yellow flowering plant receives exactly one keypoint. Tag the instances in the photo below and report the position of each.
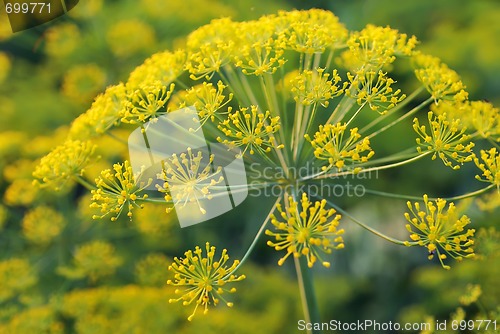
(294, 91)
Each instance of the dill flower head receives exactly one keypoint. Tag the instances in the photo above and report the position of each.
(440, 230)
(250, 129)
(331, 144)
(188, 179)
(146, 102)
(374, 47)
(375, 89)
(117, 190)
(307, 230)
(485, 118)
(42, 224)
(83, 82)
(208, 99)
(260, 52)
(490, 166)
(201, 279)
(439, 80)
(210, 48)
(63, 163)
(16, 276)
(315, 87)
(93, 260)
(105, 112)
(447, 139)
(164, 67)
(312, 31)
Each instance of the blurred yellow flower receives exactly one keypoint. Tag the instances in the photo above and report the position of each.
(490, 166)
(38, 319)
(129, 37)
(21, 192)
(93, 260)
(62, 40)
(81, 83)
(473, 292)
(16, 276)
(42, 225)
(439, 80)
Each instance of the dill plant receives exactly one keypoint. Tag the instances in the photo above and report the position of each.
(289, 90)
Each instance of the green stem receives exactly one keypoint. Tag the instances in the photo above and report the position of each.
(85, 183)
(393, 110)
(408, 114)
(307, 295)
(370, 229)
(256, 238)
(408, 197)
(373, 169)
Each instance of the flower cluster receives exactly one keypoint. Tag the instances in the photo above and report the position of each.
(188, 179)
(315, 87)
(490, 166)
(118, 190)
(329, 144)
(105, 112)
(447, 139)
(272, 89)
(203, 278)
(146, 102)
(64, 162)
(375, 89)
(307, 230)
(250, 129)
(208, 100)
(440, 230)
(439, 80)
